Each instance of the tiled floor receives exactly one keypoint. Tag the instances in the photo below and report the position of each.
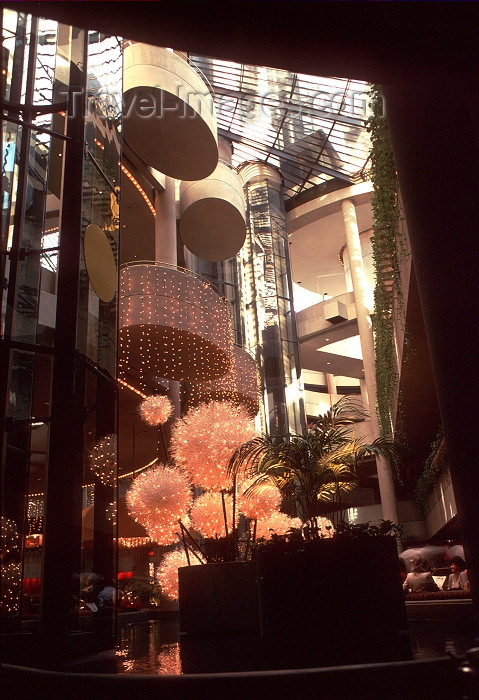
(156, 647)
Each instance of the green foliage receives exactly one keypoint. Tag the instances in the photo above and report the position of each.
(435, 466)
(355, 531)
(139, 588)
(316, 469)
(387, 246)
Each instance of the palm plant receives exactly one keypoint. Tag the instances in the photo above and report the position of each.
(317, 469)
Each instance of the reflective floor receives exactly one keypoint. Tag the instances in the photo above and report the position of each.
(156, 647)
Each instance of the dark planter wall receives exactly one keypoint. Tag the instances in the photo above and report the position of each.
(218, 598)
(331, 588)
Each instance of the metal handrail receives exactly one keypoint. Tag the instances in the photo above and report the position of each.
(183, 270)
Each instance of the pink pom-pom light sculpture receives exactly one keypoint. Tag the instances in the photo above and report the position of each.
(259, 504)
(204, 440)
(277, 523)
(157, 499)
(207, 515)
(167, 572)
(155, 410)
(326, 527)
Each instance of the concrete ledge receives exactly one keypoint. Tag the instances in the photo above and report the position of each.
(395, 681)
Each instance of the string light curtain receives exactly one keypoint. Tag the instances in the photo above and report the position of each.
(240, 385)
(173, 324)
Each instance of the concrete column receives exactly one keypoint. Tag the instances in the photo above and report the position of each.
(166, 252)
(165, 224)
(439, 192)
(331, 386)
(365, 395)
(386, 483)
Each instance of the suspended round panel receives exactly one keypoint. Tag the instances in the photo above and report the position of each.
(173, 324)
(100, 262)
(169, 117)
(212, 215)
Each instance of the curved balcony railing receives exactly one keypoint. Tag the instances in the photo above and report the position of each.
(172, 324)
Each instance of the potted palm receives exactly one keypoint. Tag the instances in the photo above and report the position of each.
(324, 577)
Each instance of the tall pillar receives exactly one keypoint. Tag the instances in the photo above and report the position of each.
(439, 192)
(165, 224)
(386, 483)
(270, 325)
(166, 252)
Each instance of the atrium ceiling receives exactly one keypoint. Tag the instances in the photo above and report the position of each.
(313, 129)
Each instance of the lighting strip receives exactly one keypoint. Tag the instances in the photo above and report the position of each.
(139, 188)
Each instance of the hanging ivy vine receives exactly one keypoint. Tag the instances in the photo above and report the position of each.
(386, 246)
(435, 466)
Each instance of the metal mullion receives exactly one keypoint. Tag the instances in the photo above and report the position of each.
(19, 214)
(34, 127)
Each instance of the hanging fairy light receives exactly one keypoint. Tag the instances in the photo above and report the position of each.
(277, 523)
(103, 459)
(258, 504)
(11, 570)
(208, 516)
(203, 441)
(172, 324)
(155, 410)
(157, 499)
(167, 572)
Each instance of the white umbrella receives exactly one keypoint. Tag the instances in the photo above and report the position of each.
(428, 551)
(457, 550)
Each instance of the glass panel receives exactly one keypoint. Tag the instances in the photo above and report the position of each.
(11, 139)
(15, 480)
(101, 177)
(99, 504)
(32, 556)
(283, 118)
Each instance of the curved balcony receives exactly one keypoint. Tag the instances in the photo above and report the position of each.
(173, 324)
(169, 118)
(212, 214)
(318, 327)
(240, 385)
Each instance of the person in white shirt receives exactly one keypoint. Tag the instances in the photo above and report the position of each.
(458, 577)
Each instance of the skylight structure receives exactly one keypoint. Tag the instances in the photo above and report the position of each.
(313, 129)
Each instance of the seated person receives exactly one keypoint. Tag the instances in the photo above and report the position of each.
(419, 579)
(458, 577)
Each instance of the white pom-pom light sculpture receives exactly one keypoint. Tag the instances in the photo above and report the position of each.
(157, 499)
(155, 410)
(203, 442)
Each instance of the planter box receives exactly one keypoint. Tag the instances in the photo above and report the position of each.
(330, 589)
(218, 598)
